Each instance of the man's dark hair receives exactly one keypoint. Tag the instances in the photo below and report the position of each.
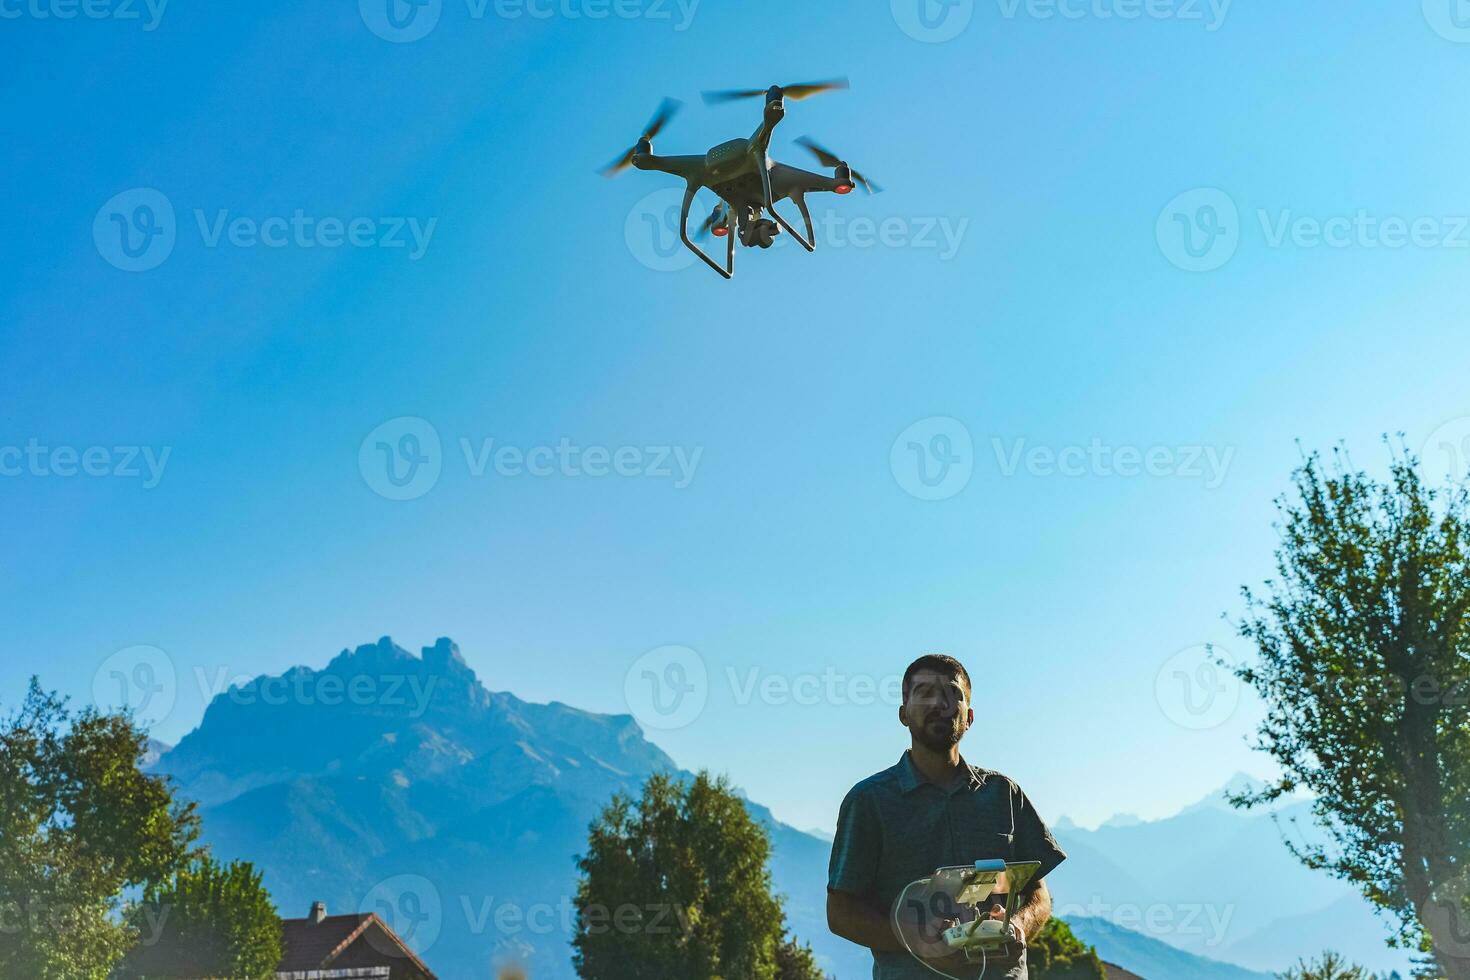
(939, 663)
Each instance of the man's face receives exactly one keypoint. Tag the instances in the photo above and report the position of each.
(936, 710)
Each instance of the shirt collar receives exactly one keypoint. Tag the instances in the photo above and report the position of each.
(910, 779)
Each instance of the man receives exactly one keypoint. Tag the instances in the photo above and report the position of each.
(932, 810)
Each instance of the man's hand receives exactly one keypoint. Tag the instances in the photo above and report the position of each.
(1017, 933)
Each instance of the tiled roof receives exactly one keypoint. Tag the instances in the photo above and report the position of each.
(1118, 973)
(313, 945)
(309, 944)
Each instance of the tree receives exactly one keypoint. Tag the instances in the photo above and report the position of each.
(1056, 954)
(1364, 656)
(80, 822)
(676, 885)
(1331, 966)
(209, 920)
(794, 961)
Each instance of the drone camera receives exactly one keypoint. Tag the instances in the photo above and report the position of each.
(760, 233)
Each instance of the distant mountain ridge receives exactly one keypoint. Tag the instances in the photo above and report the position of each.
(400, 784)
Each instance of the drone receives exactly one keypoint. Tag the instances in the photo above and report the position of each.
(743, 175)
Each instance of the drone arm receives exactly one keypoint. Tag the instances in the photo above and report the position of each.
(729, 269)
(687, 167)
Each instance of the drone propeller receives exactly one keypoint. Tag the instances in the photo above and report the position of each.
(796, 93)
(829, 159)
(660, 119)
(715, 222)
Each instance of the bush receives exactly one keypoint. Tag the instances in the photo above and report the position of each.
(1056, 954)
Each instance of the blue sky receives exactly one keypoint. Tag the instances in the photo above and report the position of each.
(1031, 288)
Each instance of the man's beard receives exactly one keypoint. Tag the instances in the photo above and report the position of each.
(940, 739)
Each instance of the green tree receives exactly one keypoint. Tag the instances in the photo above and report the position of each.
(1364, 664)
(80, 823)
(794, 961)
(1330, 966)
(676, 885)
(1056, 954)
(209, 920)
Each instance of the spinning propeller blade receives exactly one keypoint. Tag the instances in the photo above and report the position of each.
(829, 159)
(660, 119)
(796, 92)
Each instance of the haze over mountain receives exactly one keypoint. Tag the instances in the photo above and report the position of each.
(399, 784)
(1151, 958)
(1220, 882)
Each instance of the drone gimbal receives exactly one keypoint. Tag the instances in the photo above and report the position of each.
(743, 175)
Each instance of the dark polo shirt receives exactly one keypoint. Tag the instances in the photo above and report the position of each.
(896, 827)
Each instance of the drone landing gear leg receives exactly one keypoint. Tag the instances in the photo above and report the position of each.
(806, 216)
(729, 270)
(805, 243)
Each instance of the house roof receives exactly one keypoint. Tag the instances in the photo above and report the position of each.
(313, 945)
(1118, 973)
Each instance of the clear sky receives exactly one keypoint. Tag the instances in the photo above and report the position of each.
(1025, 276)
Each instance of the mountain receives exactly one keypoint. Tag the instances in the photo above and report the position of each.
(1349, 926)
(1219, 882)
(399, 784)
(1151, 958)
